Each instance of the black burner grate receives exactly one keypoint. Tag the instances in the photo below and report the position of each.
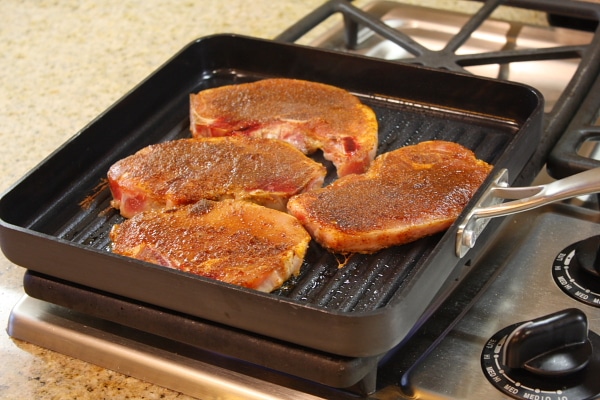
(566, 158)
(578, 15)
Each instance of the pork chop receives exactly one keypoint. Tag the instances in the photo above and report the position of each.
(265, 171)
(407, 194)
(308, 115)
(232, 241)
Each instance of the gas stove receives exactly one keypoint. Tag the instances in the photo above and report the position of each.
(525, 276)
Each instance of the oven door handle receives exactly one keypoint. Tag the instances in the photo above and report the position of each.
(492, 204)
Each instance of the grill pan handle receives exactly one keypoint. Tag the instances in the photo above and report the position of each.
(491, 204)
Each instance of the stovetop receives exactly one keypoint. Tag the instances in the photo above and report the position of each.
(522, 289)
(511, 280)
(433, 36)
(515, 273)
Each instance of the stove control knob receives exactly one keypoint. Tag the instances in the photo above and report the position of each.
(576, 271)
(551, 357)
(553, 345)
(588, 255)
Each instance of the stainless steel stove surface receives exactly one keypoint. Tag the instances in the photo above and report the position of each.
(522, 290)
(523, 273)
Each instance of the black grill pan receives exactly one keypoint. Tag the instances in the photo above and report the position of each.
(56, 219)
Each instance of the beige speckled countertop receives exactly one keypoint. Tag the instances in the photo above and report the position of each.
(61, 64)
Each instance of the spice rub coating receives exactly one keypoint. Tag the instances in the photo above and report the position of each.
(309, 115)
(407, 194)
(178, 172)
(232, 241)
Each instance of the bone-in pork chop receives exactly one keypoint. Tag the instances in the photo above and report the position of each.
(407, 194)
(265, 171)
(308, 115)
(232, 241)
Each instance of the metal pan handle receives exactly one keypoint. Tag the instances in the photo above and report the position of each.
(491, 203)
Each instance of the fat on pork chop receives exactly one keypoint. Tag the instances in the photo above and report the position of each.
(308, 115)
(265, 171)
(407, 194)
(232, 241)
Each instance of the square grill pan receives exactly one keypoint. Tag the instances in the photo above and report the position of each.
(56, 219)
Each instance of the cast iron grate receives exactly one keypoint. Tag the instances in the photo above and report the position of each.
(579, 15)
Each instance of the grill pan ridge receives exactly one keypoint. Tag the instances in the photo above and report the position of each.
(368, 303)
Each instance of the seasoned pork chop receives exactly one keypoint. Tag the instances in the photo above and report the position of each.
(265, 171)
(308, 115)
(233, 241)
(407, 194)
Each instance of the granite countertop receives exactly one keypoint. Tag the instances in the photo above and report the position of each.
(62, 63)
